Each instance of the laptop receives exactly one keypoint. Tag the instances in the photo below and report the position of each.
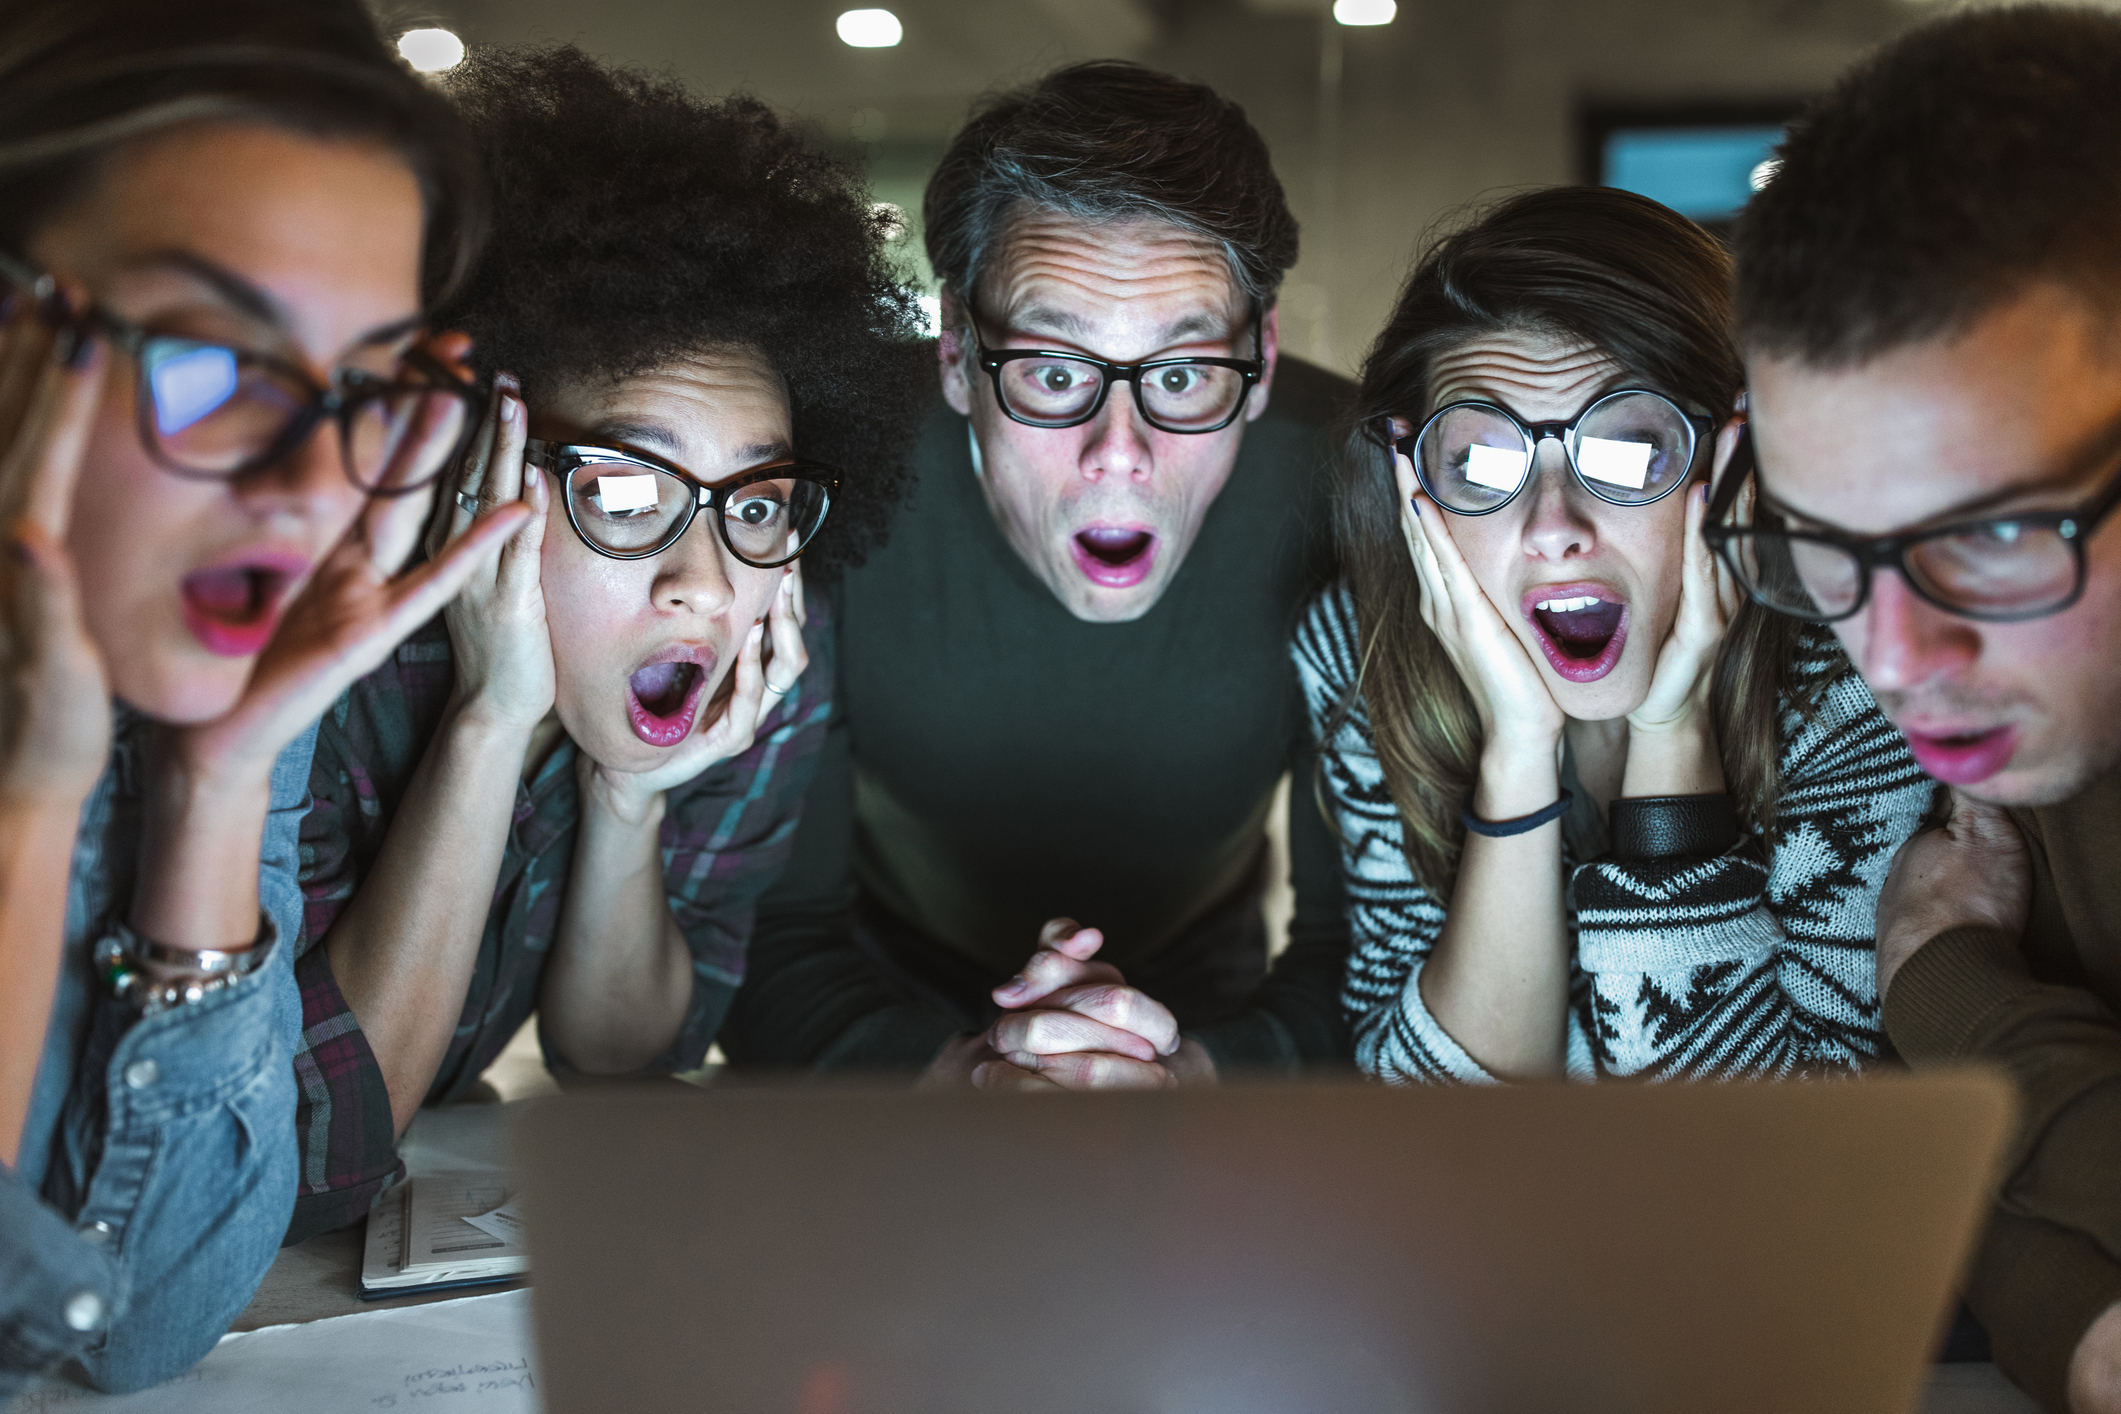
(1255, 1250)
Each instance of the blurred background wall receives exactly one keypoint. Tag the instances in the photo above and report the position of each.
(1377, 130)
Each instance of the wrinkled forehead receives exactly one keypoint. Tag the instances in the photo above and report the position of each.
(1540, 375)
(712, 413)
(2026, 400)
(1124, 288)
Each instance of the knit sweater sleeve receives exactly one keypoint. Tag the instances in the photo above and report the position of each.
(1393, 920)
(1759, 961)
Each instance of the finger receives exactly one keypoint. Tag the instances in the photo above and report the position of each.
(27, 354)
(731, 723)
(1072, 939)
(523, 558)
(1000, 1075)
(505, 472)
(55, 436)
(427, 443)
(1052, 1033)
(471, 476)
(802, 607)
(419, 594)
(1049, 969)
(1096, 1070)
(1979, 821)
(1122, 1007)
(789, 657)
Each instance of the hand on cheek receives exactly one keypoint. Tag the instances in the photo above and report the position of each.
(767, 666)
(54, 725)
(1672, 748)
(354, 610)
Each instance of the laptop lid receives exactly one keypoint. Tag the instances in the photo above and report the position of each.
(1269, 1250)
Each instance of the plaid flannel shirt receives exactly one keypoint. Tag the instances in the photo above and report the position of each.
(726, 834)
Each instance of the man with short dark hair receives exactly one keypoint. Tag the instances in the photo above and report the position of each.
(1064, 686)
(1927, 299)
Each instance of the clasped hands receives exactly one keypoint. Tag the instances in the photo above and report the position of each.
(1070, 1022)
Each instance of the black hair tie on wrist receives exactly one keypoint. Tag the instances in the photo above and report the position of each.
(1523, 824)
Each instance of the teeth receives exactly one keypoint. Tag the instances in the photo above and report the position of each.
(1567, 606)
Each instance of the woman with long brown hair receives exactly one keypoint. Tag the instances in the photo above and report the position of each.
(1599, 814)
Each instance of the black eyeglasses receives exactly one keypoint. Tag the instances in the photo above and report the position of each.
(217, 413)
(629, 505)
(1043, 388)
(1998, 570)
(1629, 447)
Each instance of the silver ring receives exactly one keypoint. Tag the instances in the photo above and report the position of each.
(779, 691)
(470, 506)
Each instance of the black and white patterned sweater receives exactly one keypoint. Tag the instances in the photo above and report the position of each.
(1718, 966)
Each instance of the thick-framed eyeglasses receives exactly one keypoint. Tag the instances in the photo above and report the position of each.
(1049, 389)
(217, 413)
(2000, 569)
(1630, 447)
(629, 505)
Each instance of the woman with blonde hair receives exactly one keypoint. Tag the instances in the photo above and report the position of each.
(1599, 814)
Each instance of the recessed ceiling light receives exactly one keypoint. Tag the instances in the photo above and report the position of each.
(431, 51)
(870, 29)
(1365, 12)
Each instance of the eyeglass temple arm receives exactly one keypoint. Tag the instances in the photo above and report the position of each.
(1741, 469)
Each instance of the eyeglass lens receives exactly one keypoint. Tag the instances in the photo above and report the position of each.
(1631, 448)
(631, 509)
(1999, 567)
(1056, 391)
(216, 413)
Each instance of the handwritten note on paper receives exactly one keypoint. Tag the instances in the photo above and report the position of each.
(470, 1356)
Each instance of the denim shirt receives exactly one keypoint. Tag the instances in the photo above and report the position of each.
(157, 1167)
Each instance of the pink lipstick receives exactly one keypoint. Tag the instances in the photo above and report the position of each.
(1114, 556)
(663, 694)
(1963, 758)
(1582, 628)
(232, 608)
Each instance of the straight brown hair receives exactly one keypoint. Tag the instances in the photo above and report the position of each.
(1593, 264)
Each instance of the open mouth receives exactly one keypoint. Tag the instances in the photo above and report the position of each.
(233, 609)
(662, 699)
(1115, 556)
(1581, 632)
(1964, 758)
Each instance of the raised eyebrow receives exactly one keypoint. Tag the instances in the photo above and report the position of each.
(648, 434)
(392, 332)
(1045, 319)
(2094, 452)
(255, 302)
(245, 297)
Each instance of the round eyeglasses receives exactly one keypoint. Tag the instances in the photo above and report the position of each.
(629, 505)
(1043, 388)
(1999, 570)
(217, 413)
(1629, 447)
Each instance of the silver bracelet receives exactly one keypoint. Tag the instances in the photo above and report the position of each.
(123, 956)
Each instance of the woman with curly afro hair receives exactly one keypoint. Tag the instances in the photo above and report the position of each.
(567, 793)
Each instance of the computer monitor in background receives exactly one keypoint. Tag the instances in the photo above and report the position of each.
(1702, 162)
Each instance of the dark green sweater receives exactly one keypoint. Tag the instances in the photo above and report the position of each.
(994, 761)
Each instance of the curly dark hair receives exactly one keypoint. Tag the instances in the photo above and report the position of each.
(636, 224)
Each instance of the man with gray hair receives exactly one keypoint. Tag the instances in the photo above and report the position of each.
(1063, 685)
